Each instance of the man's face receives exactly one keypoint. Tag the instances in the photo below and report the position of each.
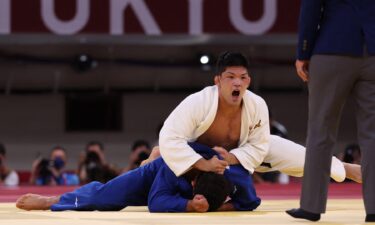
(95, 148)
(58, 157)
(232, 84)
(58, 153)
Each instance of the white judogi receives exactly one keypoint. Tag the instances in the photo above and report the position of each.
(195, 114)
(289, 157)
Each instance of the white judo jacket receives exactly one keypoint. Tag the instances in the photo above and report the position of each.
(195, 114)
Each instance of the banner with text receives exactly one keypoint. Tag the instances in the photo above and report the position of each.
(149, 17)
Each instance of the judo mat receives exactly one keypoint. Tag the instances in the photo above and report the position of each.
(344, 207)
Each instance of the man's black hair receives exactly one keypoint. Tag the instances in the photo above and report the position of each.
(140, 143)
(214, 187)
(3, 152)
(227, 59)
(91, 143)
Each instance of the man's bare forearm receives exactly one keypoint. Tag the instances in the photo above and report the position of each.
(226, 155)
(232, 159)
(202, 165)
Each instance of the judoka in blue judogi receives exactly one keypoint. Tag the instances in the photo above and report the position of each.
(156, 186)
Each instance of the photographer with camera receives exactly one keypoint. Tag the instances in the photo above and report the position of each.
(93, 166)
(51, 171)
(8, 177)
(140, 151)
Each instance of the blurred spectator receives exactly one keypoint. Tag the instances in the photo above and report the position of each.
(93, 165)
(8, 177)
(352, 154)
(140, 151)
(155, 153)
(277, 128)
(51, 171)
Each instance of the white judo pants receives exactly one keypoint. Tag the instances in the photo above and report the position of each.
(289, 157)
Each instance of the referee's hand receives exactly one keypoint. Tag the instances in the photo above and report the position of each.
(302, 67)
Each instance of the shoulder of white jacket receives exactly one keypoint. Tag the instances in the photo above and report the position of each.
(251, 96)
(208, 91)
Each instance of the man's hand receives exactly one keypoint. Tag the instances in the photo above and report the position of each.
(197, 204)
(227, 207)
(217, 165)
(227, 156)
(213, 165)
(302, 67)
(221, 151)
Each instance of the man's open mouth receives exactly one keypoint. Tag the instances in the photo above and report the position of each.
(235, 93)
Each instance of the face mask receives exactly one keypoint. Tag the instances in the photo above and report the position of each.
(58, 163)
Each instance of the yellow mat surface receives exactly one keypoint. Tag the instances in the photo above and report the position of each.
(270, 212)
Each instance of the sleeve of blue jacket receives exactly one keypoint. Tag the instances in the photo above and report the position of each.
(244, 197)
(309, 21)
(164, 195)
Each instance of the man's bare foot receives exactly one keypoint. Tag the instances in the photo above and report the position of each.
(353, 172)
(36, 202)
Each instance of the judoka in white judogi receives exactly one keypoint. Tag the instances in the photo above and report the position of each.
(195, 114)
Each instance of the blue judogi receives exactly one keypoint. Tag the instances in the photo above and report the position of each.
(171, 194)
(155, 185)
